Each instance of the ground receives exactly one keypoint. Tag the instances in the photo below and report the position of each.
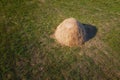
(28, 53)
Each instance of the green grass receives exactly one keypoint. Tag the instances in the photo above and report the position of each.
(28, 53)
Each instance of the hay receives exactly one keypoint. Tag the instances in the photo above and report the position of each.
(70, 33)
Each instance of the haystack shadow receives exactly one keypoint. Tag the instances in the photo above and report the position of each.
(90, 31)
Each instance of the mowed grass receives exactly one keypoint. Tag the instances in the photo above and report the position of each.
(28, 53)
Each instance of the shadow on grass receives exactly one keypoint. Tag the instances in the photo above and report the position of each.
(90, 31)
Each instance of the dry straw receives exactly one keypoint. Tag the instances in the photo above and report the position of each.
(70, 33)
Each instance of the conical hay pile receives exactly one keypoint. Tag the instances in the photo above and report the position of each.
(70, 33)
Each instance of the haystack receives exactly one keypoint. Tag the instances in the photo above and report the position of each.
(70, 33)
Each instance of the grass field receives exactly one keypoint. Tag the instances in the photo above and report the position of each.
(28, 53)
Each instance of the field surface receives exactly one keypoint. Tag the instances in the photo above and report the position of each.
(28, 53)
